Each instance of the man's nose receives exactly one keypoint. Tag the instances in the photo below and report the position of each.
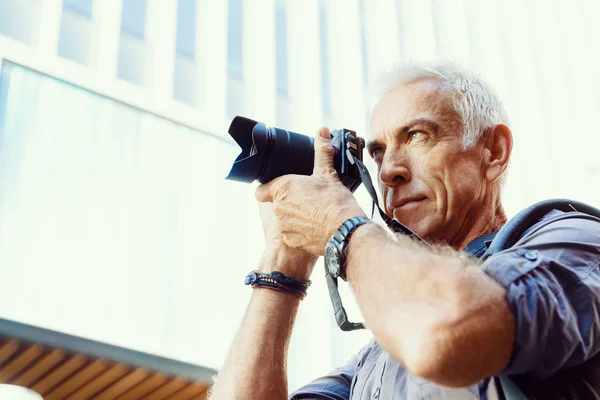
(394, 171)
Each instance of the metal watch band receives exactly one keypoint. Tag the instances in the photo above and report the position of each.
(342, 238)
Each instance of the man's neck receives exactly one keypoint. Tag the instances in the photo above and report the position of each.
(488, 219)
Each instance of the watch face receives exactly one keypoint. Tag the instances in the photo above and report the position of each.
(332, 259)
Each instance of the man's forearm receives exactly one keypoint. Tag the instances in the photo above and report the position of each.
(256, 364)
(255, 367)
(439, 315)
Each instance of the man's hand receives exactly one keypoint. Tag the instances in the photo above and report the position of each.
(309, 209)
(278, 256)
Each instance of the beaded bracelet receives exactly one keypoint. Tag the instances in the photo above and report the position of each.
(279, 282)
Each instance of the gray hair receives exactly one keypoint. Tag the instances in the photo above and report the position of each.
(474, 99)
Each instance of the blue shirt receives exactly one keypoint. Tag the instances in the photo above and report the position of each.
(552, 281)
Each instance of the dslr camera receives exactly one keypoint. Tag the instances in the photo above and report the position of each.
(268, 153)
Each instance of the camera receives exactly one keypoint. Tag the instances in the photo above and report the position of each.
(269, 152)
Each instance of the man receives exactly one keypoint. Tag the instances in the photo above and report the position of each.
(442, 323)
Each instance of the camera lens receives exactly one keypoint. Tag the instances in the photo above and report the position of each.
(268, 153)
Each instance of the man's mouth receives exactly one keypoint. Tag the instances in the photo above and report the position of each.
(408, 202)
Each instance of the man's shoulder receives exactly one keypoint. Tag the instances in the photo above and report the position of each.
(570, 240)
(563, 227)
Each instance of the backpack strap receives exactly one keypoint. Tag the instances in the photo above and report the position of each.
(510, 233)
(507, 390)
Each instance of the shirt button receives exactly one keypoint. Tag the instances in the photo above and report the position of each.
(531, 255)
(376, 394)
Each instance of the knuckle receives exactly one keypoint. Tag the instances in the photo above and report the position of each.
(282, 188)
(331, 172)
(286, 184)
(287, 239)
(326, 147)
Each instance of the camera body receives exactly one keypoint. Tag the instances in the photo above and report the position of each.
(269, 152)
(347, 147)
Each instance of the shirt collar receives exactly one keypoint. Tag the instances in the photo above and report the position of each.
(478, 246)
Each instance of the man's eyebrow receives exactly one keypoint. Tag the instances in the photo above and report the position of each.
(433, 126)
(371, 144)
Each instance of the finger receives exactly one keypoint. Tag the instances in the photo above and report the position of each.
(267, 192)
(263, 193)
(323, 153)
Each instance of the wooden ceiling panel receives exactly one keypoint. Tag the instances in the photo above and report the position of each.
(39, 368)
(191, 391)
(9, 347)
(64, 367)
(167, 390)
(18, 364)
(123, 385)
(58, 374)
(101, 382)
(77, 380)
(143, 388)
(201, 396)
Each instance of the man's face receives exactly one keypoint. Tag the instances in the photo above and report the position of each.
(428, 182)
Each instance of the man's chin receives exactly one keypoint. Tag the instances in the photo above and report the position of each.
(417, 225)
(414, 226)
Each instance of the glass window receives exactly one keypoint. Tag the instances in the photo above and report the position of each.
(76, 31)
(83, 7)
(187, 70)
(234, 38)
(281, 64)
(134, 53)
(364, 50)
(188, 81)
(235, 81)
(186, 28)
(363, 40)
(281, 50)
(401, 27)
(133, 17)
(20, 19)
(324, 53)
(235, 97)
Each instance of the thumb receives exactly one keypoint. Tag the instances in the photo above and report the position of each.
(324, 153)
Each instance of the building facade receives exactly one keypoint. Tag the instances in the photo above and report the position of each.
(114, 145)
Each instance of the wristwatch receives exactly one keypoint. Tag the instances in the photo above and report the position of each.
(336, 248)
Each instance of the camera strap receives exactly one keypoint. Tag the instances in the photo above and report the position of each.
(392, 224)
(341, 316)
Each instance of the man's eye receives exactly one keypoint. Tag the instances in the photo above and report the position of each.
(377, 153)
(415, 135)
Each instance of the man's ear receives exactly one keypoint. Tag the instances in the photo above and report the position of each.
(497, 149)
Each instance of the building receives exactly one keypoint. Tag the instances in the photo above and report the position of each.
(115, 222)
